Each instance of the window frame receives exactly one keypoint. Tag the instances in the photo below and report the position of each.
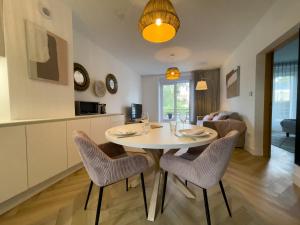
(187, 78)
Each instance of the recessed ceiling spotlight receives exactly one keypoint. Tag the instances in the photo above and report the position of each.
(45, 11)
(203, 63)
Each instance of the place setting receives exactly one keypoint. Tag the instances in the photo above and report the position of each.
(125, 134)
(142, 128)
(194, 133)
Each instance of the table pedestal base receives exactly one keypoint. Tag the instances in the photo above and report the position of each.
(156, 154)
(184, 189)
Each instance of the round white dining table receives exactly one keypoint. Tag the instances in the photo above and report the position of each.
(155, 142)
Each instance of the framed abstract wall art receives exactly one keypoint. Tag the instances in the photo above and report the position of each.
(47, 55)
(233, 83)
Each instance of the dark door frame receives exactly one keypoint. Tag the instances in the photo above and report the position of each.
(297, 147)
(267, 130)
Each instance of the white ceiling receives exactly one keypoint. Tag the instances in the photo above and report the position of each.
(210, 31)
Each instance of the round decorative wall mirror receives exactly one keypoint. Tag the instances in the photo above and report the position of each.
(111, 83)
(81, 78)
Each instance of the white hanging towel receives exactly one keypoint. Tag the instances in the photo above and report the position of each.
(37, 43)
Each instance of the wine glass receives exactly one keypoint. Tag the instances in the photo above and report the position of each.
(145, 117)
(183, 118)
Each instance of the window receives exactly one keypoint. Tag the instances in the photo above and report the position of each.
(284, 93)
(175, 99)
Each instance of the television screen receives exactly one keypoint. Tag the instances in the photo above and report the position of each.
(136, 111)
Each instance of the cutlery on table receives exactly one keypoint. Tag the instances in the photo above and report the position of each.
(130, 136)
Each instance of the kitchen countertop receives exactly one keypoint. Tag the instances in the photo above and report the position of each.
(7, 123)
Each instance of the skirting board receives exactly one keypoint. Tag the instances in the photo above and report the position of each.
(297, 175)
(13, 202)
(252, 151)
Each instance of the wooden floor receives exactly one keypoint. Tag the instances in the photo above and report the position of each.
(260, 192)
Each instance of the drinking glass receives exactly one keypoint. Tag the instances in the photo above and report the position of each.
(173, 127)
(145, 121)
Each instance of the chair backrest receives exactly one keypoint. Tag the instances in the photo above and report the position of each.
(212, 163)
(93, 158)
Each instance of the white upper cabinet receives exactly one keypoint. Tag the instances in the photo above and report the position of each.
(13, 163)
(46, 151)
(72, 125)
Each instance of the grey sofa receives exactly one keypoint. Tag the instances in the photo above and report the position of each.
(224, 122)
(288, 126)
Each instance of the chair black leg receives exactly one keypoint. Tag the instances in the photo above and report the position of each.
(164, 191)
(88, 196)
(99, 206)
(126, 184)
(144, 193)
(185, 182)
(206, 207)
(225, 198)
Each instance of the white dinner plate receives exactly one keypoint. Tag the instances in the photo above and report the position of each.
(124, 133)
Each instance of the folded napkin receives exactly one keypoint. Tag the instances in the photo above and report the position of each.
(196, 131)
(154, 126)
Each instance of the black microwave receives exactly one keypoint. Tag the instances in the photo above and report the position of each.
(86, 108)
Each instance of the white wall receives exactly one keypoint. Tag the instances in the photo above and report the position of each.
(279, 19)
(150, 96)
(99, 63)
(30, 98)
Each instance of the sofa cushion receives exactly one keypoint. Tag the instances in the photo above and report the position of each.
(221, 116)
(214, 114)
(225, 126)
(208, 117)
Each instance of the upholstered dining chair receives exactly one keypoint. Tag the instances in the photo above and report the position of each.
(204, 170)
(106, 164)
(222, 127)
(114, 151)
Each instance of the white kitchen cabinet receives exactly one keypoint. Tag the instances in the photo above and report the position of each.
(46, 151)
(72, 125)
(13, 163)
(98, 127)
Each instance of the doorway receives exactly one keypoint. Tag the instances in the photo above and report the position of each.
(284, 97)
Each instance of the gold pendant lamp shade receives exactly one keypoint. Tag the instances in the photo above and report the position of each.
(173, 73)
(159, 22)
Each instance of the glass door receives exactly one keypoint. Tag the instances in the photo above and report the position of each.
(284, 101)
(168, 102)
(175, 101)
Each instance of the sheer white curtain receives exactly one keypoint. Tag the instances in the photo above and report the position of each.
(285, 80)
